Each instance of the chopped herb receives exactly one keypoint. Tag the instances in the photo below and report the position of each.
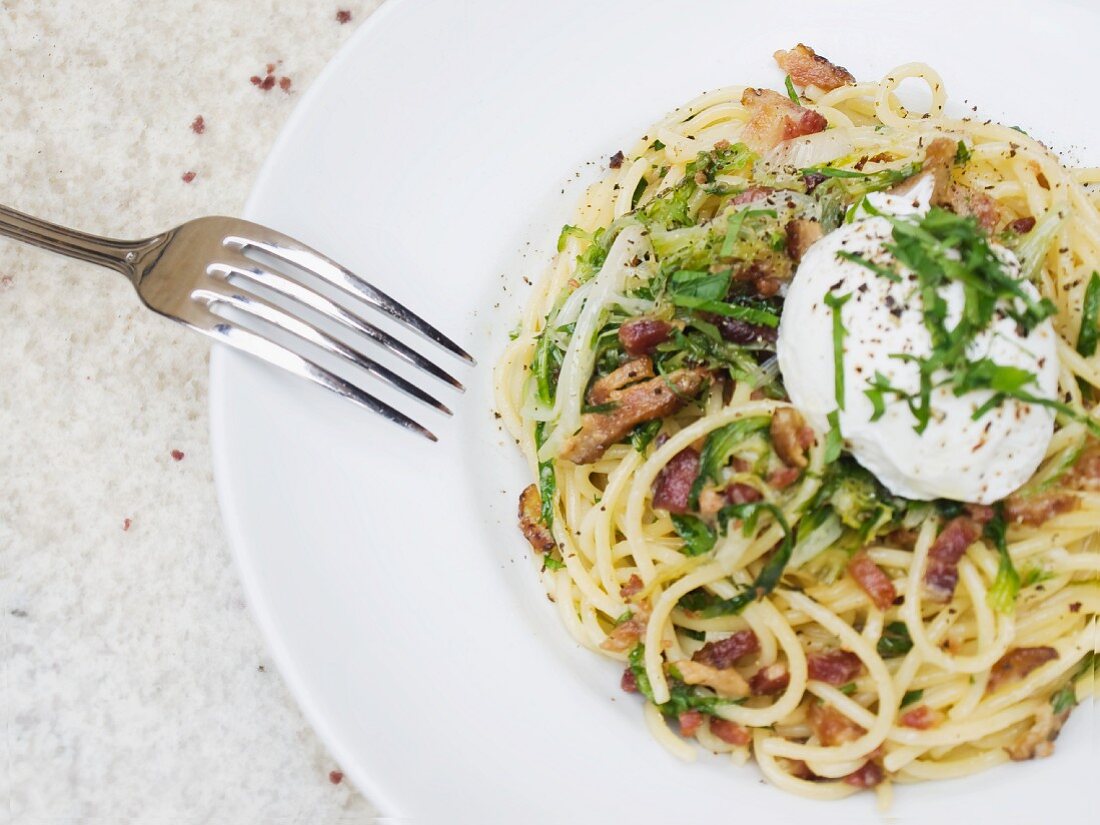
(836, 304)
(698, 537)
(1064, 700)
(894, 641)
(548, 481)
(770, 573)
(1002, 594)
(834, 441)
(657, 145)
(911, 696)
(848, 689)
(719, 447)
(880, 270)
(639, 190)
(962, 154)
(642, 435)
(791, 92)
(682, 698)
(697, 635)
(1090, 318)
(734, 224)
(568, 232)
(551, 563)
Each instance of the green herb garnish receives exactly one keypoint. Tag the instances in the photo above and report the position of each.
(834, 441)
(791, 92)
(698, 537)
(1090, 318)
(719, 447)
(836, 303)
(911, 696)
(895, 640)
(1002, 594)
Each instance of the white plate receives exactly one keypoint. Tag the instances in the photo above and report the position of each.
(438, 155)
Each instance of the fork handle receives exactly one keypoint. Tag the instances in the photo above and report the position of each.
(108, 252)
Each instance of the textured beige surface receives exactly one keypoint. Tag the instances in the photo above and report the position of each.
(135, 686)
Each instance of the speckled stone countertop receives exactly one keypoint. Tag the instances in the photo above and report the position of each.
(134, 686)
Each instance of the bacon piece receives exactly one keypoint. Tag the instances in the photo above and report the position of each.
(1085, 474)
(690, 721)
(634, 585)
(605, 389)
(616, 160)
(727, 682)
(902, 539)
(874, 582)
(868, 776)
(742, 494)
(770, 680)
(651, 399)
(942, 574)
(530, 520)
(921, 717)
(742, 332)
(962, 200)
(1038, 740)
(791, 437)
(938, 158)
(831, 726)
(834, 667)
(808, 68)
(1016, 664)
(672, 489)
(1037, 509)
(774, 118)
(801, 235)
(730, 732)
(751, 195)
(784, 477)
(628, 682)
(639, 336)
(625, 636)
(981, 513)
(725, 652)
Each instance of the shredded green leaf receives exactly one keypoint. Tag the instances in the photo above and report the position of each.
(834, 441)
(911, 696)
(698, 537)
(682, 698)
(1090, 318)
(548, 481)
(836, 304)
(719, 447)
(1002, 594)
(792, 93)
(894, 641)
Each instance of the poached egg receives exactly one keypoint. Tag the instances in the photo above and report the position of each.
(956, 456)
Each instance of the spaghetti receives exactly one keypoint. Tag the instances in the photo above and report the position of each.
(766, 594)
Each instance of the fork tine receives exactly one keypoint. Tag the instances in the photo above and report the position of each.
(251, 271)
(327, 269)
(264, 311)
(269, 351)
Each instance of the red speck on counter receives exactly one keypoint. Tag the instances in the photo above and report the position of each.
(335, 777)
(126, 523)
(198, 125)
(177, 455)
(187, 177)
(284, 83)
(343, 16)
(7, 282)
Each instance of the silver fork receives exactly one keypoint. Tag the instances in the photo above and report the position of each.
(196, 272)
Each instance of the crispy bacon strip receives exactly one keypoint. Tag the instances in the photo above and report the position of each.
(791, 437)
(1016, 664)
(939, 157)
(752, 194)
(801, 235)
(942, 573)
(730, 732)
(634, 585)
(808, 68)
(1085, 474)
(672, 489)
(831, 726)
(774, 118)
(834, 667)
(874, 582)
(921, 717)
(727, 682)
(783, 477)
(870, 775)
(690, 721)
(626, 635)
(770, 680)
(1038, 740)
(650, 399)
(530, 520)
(725, 652)
(631, 372)
(639, 336)
(1037, 509)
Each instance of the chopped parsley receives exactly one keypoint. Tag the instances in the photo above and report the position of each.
(894, 641)
(1090, 318)
(792, 93)
(548, 481)
(911, 696)
(1002, 594)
